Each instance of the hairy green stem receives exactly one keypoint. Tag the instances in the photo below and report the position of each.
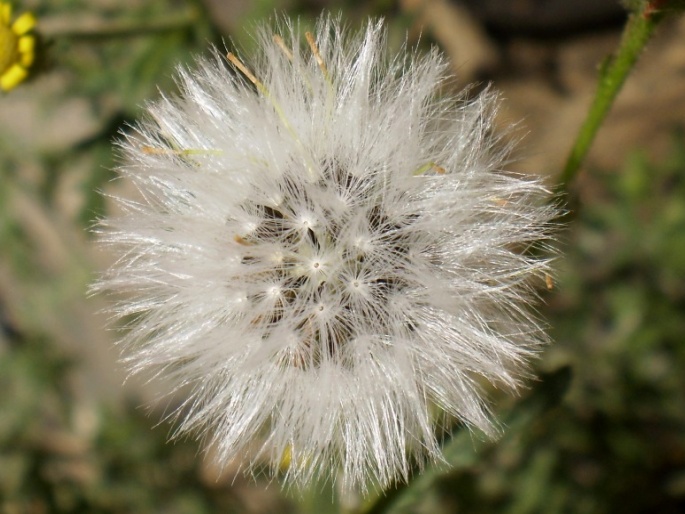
(638, 30)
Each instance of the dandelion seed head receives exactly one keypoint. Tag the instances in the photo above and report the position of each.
(326, 251)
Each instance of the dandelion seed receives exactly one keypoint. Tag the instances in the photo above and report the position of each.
(326, 251)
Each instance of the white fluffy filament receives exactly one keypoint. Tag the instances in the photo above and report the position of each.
(326, 251)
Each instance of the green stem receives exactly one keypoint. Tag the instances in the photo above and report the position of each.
(613, 74)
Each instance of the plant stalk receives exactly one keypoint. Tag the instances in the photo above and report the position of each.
(613, 73)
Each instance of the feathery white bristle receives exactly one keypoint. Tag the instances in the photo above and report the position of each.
(324, 252)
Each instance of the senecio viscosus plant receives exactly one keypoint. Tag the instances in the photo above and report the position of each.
(326, 253)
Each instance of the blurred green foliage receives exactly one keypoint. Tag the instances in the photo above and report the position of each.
(60, 453)
(621, 319)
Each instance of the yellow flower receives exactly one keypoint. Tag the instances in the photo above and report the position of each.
(16, 47)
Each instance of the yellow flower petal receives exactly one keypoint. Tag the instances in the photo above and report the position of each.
(26, 44)
(17, 46)
(5, 13)
(12, 77)
(27, 59)
(24, 23)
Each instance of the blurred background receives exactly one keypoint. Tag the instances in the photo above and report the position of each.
(73, 439)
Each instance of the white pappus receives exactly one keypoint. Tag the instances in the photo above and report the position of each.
(326, 253)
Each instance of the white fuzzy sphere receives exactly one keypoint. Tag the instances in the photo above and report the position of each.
(324, 253)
